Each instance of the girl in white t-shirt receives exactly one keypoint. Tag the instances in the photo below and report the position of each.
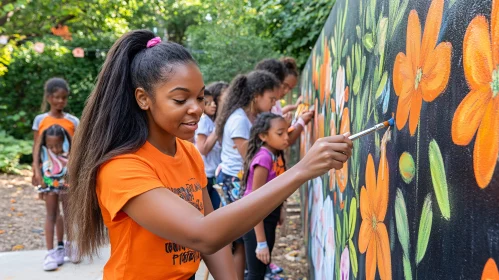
(247, 96)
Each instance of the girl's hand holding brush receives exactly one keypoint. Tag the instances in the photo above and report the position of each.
(327, 153)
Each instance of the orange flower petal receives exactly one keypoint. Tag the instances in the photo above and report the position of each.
(382, 189)
(345, 122)
(370, 178)
(432, 28)
(365, 204)
(383, 252)
(365, 235)
(371, 260)
(495, 31)
(490, 271)
(403, 76)
(413, 42)
(320, 123)
(416, 104)
(346, 94)
(487, 145)
(403, 107)
(469, 114)
(477, 53)
(436, 72)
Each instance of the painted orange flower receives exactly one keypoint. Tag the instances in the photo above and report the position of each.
(423, 72)
(315, 70)
(318, 123)
(342, 174)
(325, 74)
(373, 235)
(490, 271)
(478, 113)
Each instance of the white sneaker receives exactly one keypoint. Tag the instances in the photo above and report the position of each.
(71, 252)
(58, 255)
(49, 263)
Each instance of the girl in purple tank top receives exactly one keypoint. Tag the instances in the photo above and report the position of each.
(264, 161)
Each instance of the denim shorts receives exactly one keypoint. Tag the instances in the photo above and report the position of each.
(230, 187)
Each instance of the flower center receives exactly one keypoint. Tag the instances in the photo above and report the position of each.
(495, 82)
(374, 222)
(419, 76)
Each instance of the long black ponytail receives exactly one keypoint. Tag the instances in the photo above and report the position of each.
(242, 90)
(113, 124)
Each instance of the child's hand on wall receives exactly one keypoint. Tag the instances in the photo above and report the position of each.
(307, 116)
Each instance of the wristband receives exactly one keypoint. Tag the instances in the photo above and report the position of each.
(301, 122)
(261, 245)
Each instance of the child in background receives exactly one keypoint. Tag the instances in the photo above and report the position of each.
(264, 162)
(54, 149)
(56, 91)
(207, 144)
(247, 96)
(135, 180)
(290, 78)
(218, 90)
(280, 71)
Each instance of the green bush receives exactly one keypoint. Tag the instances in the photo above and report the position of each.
(222, 53)
(11, 150)
(22, 85)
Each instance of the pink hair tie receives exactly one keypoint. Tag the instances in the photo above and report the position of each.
(153, 42)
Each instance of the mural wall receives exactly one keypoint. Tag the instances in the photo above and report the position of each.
(420, 200)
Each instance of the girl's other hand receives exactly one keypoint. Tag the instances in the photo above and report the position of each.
(36, 180)
(327, 153)
(263, 255)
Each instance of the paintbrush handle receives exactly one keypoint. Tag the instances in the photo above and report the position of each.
(367, 131)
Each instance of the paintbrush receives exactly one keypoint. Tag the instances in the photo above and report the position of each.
(379, 126)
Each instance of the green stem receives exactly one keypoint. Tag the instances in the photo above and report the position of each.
(417, 157)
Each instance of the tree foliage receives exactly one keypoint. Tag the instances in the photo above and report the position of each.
(227, 37)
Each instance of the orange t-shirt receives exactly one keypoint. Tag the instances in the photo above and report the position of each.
(44, 121)
(137, 253)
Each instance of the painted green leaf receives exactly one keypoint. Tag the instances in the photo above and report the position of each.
(392, 7)
(333, 46)
(353, 257)
(363, 67)
(338, 230)
(407, 167)
(352, 217)
(368, 42)
(343, 232)
(358, 32)
(439, 179)
(344, 18)
(399, 17)
(401, 222)
(349, 70)
(382, 84)
(382, 30)
(337, 264)
(407, 268)
(424, 229)
(356, 84)
(345, 48)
